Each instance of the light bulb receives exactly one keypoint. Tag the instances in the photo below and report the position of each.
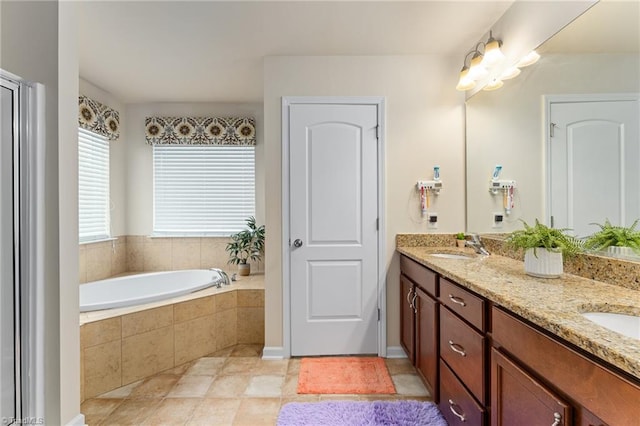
(492, 52)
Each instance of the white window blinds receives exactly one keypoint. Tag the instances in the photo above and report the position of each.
(93, 186)
(202, 189)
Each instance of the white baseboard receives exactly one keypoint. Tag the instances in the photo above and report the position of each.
(395, 352)
(273, 352)
(77, 421)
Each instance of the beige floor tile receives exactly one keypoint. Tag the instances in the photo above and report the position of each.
(409, 384)
(132, 412)
(173, 411)
(299, 398)
(206, 367)
(239, 366)
(339, 397)
(222, 353)
(265, 386)
(180, 369)
(399, 366)
(228, 386)
(294, 366)
(257, 412)
(122, 392)
(214, 412)
(290, 386)
(191, 387)
(247, 351)
(272, 366)
(97, 409)
(155, 387)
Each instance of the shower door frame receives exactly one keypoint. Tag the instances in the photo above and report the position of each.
(29, 232)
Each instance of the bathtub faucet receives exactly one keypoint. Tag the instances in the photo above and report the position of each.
(222, 278)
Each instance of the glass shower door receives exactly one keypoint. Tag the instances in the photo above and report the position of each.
(9, 257)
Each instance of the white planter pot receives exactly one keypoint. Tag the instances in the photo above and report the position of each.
(543, 263)
(244, 269)
(621, 251)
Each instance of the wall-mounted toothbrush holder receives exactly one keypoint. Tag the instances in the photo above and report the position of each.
(507, 187)
(429, 185)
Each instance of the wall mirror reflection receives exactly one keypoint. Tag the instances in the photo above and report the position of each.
(567, 131)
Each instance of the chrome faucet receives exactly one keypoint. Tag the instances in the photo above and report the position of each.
(477, 245)
(223, 278)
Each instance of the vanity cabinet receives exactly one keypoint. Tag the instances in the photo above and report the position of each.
(419, 320)
(464, 386)
(533, 364)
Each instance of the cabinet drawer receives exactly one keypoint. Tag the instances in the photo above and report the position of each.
(464, 350)
(464, 303)
(456, 404)
(420, 275)
(607, 395)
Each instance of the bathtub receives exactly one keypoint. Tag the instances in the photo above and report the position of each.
(138, 289)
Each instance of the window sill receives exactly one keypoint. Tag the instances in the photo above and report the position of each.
(102, 240)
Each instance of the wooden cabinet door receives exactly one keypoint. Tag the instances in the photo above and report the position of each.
(407, 317)
(517, 398)
(427, 341)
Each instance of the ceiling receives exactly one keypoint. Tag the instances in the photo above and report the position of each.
(212, 51)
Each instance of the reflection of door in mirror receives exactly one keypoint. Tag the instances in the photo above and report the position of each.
(594, 156)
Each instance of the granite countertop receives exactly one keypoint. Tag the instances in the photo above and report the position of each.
(553, 304)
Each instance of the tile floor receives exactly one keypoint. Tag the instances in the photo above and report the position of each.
(229, 387)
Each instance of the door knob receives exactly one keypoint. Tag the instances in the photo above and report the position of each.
(297, 243)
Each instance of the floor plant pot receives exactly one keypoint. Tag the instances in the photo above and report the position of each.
(244, 269)
(543, 263)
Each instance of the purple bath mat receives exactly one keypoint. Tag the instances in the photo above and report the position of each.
(361, 413)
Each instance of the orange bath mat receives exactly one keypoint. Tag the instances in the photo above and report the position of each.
(340, 375)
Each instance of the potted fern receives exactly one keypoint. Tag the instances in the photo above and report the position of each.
(615, 239)
(246, 245)
(544, 248)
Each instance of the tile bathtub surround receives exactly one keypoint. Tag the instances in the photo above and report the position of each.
(232, 386)
(132, 346)
(609, 270)
(134, 253)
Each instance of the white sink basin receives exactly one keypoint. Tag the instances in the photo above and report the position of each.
(629, 325)
(451, 256)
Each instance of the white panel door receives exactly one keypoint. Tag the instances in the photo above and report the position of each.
(334, 238)
(595, 164)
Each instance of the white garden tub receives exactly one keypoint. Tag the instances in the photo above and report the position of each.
(138, 289)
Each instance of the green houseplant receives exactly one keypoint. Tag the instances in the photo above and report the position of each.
(544, 248)
(246, 245)
(461, 238)
(615, 239)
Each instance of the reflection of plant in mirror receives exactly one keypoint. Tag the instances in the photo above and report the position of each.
(541, 236)
(614, 236)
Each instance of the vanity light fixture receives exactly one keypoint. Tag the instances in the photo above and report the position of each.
(484, 55)
(530, 59)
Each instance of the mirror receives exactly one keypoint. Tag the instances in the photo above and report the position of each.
(598, 53)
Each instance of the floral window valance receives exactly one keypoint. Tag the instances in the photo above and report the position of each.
(200, 130)
(98, 118)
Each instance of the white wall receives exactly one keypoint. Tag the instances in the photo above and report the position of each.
(117, 157)
(34, 49)
(424, 127)
(139, 159)
(506, 127)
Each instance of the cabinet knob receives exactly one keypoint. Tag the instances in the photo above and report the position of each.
(558, 419)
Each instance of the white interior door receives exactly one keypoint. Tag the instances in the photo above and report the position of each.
(595, 164)
(333, 228)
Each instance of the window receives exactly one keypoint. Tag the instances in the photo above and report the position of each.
(93, 186)
(202, 189)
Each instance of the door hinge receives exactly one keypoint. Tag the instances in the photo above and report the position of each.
(377, 131)
(552, 132)
(551, 222)
(377, 224)
(378, 314)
